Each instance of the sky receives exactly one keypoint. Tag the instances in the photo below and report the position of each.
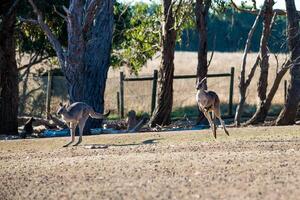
(279, 3)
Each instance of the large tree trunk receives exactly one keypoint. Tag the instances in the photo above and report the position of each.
(89, 54)
(289, 112)
(8, 73)
(86, 61)
(162, 112)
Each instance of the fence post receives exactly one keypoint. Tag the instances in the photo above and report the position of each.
(285, 90)
(122, 94)
(118, 102)
(48, 95)
(154, 88)
(231, 92)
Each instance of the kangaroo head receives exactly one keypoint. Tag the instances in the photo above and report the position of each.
(199, 84)
(61, 109)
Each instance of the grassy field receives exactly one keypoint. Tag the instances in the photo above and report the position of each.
(253, 163)
(138, 95)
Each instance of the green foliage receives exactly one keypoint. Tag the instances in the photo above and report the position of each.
(30, 38)
(136, 36)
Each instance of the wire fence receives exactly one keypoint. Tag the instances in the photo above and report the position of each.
(137, 95)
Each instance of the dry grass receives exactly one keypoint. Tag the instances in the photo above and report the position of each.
(253, 163)
(138, 94)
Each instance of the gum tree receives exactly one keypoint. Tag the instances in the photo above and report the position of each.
(85, 58)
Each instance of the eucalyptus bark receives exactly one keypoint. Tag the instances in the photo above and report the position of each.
(85, 61)
(264, 54)
(289, 112)
(8, 71)
(162, 112)
(201, 12)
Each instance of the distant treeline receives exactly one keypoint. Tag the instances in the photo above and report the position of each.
(228, 32)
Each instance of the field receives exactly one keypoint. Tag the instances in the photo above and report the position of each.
(138, 95)
(253, 163)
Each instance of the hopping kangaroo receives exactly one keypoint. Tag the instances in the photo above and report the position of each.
(208, 101)
(77, 114)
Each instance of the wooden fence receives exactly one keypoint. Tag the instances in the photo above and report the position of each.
(154, 79)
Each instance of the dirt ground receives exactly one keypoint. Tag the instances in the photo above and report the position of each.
(253, 163)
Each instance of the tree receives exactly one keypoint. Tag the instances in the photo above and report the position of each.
(86, 58)
(136, 35)
(201, 13)
(8, 69)
(173, 18)
(162, 112)
(243, 81)
(289, 112)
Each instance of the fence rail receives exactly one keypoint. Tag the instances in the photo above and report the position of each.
(154, 79)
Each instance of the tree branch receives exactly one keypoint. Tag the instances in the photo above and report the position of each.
(60, 14)
(51, 37)
(12, 8)
(212, 53)
(247, 47)
(36, 61)
(252, 71)
(29, 21)
(90, 13)
(277, 11)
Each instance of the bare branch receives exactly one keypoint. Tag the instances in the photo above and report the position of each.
(51, 37)
(66, 11)
(279, 12)
(252, 71)
(60, 14)
(32, 63)
(29, 21)
(247, 47)
(90, 14)
(212, 53)
(12, 8)
(242, 9)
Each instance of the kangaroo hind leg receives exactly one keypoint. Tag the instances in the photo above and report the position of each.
(81, 127)
(218, 115)
(72, 133)
(212, 125)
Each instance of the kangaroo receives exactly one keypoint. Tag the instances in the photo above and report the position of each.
(77, 114)
(208, 101)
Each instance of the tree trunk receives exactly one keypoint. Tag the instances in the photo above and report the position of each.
(264, 64)
(8, 75)
(243, 81)
(162, 112)
(262, 111)
(201, 12)
(86, 61)
(90, 55)
(289, 112)
(263, 106)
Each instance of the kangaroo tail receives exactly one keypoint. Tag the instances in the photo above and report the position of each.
(96, 115)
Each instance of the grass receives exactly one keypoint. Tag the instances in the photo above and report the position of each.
(253, 163)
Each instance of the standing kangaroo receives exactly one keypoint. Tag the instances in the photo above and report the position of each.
(208, 101)
(77, 114)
